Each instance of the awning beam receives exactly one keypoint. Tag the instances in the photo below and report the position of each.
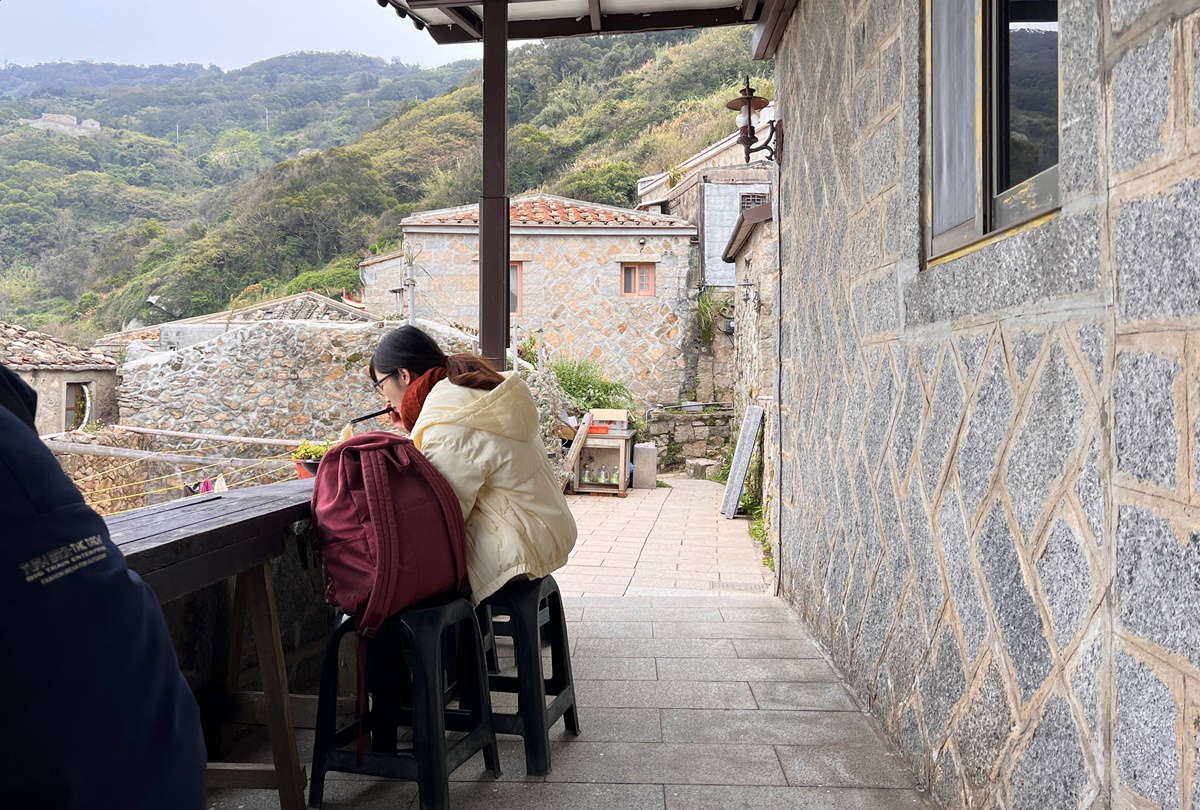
(608, 24)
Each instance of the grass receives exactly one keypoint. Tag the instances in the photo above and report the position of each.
(758, 530)
(753, 506)
(661, 484)
(708, 309)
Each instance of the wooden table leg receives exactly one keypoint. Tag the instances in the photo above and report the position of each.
(260, 599)
(226, 671)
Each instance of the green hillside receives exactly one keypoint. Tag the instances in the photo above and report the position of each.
(90, 230)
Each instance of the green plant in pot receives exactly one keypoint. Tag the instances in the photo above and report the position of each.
(309, 454)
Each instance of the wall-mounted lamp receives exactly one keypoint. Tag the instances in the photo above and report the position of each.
(749, 109)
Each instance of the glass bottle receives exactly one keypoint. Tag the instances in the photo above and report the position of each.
(603, 474)
(587, 473)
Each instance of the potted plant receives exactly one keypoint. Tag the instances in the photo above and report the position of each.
(307, 456)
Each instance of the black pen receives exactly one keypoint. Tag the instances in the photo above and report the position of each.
(388, 409)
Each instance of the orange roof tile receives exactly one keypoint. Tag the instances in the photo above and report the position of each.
(547, 210)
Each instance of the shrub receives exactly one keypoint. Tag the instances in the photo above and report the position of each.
(310, 452)
(586, 383)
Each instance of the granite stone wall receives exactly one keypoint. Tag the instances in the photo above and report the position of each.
(756, 315)
(990, 480)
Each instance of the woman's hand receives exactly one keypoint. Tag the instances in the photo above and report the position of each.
(394, 416)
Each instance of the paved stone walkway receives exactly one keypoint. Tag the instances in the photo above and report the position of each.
(697, 690)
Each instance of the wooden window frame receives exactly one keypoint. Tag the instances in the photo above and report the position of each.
(517, 268)
(996, 210)
(71, 415)
(638, 268)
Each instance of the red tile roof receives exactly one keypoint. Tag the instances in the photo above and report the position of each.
(24, 349)
(547, 210)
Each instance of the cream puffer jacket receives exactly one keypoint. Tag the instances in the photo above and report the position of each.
(487, 445)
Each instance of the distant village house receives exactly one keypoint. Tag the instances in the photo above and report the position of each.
(63, 124)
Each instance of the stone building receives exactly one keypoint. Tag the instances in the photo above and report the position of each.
(606, 284)
(711, 189)
(71, 383)
(990, 385)
(63, 125)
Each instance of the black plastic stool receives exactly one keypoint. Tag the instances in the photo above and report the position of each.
(535, 611)
(412, 640)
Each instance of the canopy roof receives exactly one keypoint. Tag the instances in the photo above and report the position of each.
(456, 21)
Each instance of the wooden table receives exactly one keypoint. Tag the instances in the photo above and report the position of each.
(183, 546)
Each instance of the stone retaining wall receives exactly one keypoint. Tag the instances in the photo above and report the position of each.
(680, 436)
(279, 379)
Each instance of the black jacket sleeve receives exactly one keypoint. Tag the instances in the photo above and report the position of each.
(94, 712)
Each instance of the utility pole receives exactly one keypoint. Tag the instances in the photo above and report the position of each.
(410, 281)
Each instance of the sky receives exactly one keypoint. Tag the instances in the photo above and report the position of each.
(226, 33)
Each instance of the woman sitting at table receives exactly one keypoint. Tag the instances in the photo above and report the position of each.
(480, 429)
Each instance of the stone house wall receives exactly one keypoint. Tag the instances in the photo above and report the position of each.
(714, 363)
(570, 290)
(756, 318)
(51, 387)
(990, 476)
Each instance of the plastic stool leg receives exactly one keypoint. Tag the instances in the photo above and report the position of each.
(487, 633)
(429, 724)
(385, 670)
(326, 715)
(560, 658)
(531, 687)
(475, 671)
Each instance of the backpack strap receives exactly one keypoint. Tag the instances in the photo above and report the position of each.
(384, 523)
(451, 509)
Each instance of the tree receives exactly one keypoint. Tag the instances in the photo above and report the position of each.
(610, 184)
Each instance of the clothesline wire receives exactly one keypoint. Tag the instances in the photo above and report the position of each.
(175, 488)
(99, 473)
(193, 471)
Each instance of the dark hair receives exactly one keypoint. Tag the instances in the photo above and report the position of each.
(413, 349)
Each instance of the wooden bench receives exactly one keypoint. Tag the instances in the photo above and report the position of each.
(186, 545)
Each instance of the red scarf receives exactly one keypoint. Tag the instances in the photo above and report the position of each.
(415, 394)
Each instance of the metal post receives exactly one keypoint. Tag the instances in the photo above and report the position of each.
(410, 281)
(493, 205)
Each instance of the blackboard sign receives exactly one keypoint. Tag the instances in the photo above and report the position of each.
(747, 439)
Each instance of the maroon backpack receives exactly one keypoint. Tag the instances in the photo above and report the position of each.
(389, 530)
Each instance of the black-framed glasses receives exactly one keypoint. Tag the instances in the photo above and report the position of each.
(378, 384)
